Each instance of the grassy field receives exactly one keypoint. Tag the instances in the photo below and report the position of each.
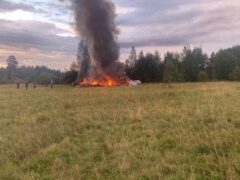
(189, 131)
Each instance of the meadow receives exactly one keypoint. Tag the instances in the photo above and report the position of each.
(188, 131)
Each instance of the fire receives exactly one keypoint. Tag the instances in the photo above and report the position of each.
(107, 82)
(85, 82)
(110, 83)
(95, 83)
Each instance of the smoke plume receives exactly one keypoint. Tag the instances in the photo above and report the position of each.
(95, 23)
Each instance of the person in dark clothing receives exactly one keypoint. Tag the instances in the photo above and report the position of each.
(26, 85)
(34, 84)
(18, 85)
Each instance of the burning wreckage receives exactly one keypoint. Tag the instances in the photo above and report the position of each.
(98, 52)
(94, 75)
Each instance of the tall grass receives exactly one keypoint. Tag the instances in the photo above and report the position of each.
(189, 131)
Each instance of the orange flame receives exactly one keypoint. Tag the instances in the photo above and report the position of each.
(108, 82)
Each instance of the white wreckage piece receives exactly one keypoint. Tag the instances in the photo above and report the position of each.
(135, 83)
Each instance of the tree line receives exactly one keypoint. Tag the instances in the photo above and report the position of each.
(191, 65)
(14, 73)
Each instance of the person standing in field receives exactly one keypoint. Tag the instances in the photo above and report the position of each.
(34, 85)
(51, 84)
(18, 85)
(26, 85)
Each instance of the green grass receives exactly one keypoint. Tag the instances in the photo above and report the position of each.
(189, 131)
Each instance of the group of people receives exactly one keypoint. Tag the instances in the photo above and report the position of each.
(26, 84)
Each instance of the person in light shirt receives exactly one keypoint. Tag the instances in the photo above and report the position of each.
(51, 84)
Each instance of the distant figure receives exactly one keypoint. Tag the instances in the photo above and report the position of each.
(51, 84)
(26, 85)
(18, 85)
(34, 85)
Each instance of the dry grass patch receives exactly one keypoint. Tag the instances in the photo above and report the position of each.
(188, 131)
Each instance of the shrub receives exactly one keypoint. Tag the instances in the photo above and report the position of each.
(203, 76)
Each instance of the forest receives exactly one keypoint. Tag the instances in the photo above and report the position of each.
(190, 65)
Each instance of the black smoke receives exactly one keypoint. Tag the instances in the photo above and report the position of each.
(95, 23)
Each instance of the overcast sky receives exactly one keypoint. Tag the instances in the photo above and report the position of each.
(40, 32)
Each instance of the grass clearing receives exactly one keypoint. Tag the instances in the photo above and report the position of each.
(189, 131)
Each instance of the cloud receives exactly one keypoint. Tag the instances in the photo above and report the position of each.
(33, 57)
(33, 34)
(36, 42)
(10, 6)
(171, 23)
(161, 23)
(147, 24)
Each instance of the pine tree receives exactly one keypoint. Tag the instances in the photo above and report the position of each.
(170, 67)
(83, 60)
(132, 59)
(11, 67)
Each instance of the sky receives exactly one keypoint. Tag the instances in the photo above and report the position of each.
(41, 32)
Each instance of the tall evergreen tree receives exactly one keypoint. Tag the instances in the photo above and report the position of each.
(132, 57)
(170, 67)
(11, 68)
(84, 60)
(210, 66)
(193, 61)
(224, 64)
